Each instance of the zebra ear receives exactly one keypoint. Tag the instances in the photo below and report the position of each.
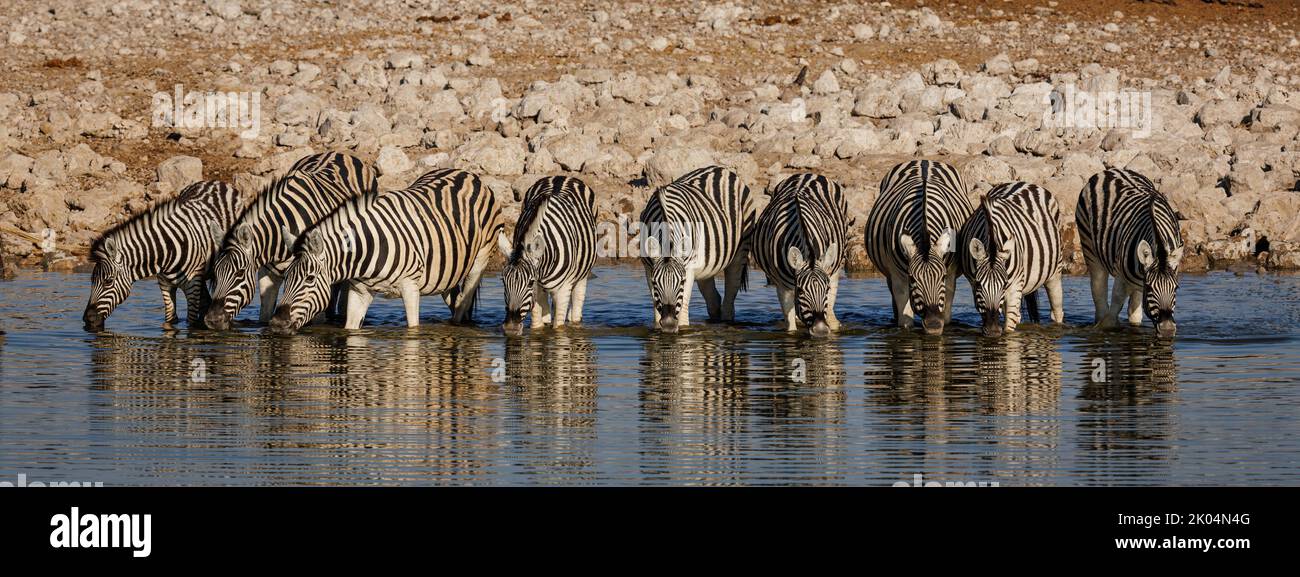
(112, 250)
(503, 245)
(1144, 255)
(218, 233)
(651, 247)
(1175, 257)
(830, 257)
(943, 245)
(243, 236)
(909, 246)
(287, 234)
(794, 257)
(314, 243)
(977, 251)
(533, 249)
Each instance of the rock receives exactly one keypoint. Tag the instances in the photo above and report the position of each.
(1215, 112)
(862, 31)
(225, 9)
(998, 65)
(298, 108)
(392, 160)
(942, 72)
(49, 166)
(82, 160)
(666, 165)
(572, 151)
(876, 101)
(491, 153)
(826, 84)
(177, 172)
(15, 169)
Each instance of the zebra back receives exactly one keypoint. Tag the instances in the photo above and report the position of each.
(174, 239)
(807, 211)
(1023, 218)
(712, 201)
(432, 231)
(1117, 210)
(560, 211)
(313, 187)
(920, 198)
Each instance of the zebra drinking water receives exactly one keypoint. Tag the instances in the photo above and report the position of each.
(797, 244)
(911, 235)
(1129, 231)
(1013, 247)
(174, 242)
(551, 255)
(259, 249)
(433, 237)
(694, 229)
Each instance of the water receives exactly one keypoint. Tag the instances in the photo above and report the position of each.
(613, 403)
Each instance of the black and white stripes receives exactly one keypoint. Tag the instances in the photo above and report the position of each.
(260, 246)
(1012, 247)
(550, 257)
(694, 229)
(433, 237)
(799, 244)
(1129, 231)
(911, 237)
(174, 241)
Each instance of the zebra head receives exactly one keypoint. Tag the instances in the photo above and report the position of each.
(927, 274)
(234, 273)
(989, 283)
(305, 291)
(670, 279)
(110, 283)
(812, 287)
(1160, 285)
(518, 276)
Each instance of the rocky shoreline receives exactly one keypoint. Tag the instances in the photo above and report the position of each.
(630, 95)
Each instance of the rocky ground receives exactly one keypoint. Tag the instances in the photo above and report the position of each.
(629, 95)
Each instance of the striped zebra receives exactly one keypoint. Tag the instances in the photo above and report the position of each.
(1013, 248)
(797, 244)
(173, 242)
(911, 235)
(1129, 231)
(433, 237)
(693, 229)
(258, 250)
(551, 254)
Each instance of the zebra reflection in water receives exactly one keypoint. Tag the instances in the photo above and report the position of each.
(694, 398)
(550, 382)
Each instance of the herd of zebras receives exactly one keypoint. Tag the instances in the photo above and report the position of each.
(324, 238)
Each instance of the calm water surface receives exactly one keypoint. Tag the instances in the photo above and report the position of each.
(613, 403)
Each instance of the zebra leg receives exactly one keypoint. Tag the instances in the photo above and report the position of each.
(786, 296)
(561, 298)
(902, 302)
(541, 306)
(169, 304)
(1135, 308)
(734, 277)
(411, 300)
(709, 288)
(358, 302)
(1031, 305)
(268, 284)
(468, 292)
(651, 284)
(197, 301)
(951, 295)
(1097, 275)
(831, 320)
(1054, 298)
(1011, 309)
(579, 296)
(684, 317)
(1118, 295)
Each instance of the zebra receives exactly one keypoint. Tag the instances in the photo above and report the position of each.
(552, 252)
(174, 241)
(258, 250)
(433, 237)
(911, 235)
(693, 229)
(1013, 248)
(1129, 231)
(797, 244)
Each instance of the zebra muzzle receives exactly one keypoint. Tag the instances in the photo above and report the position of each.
(93, 321)
(932, 322)
(513, 325)
(217, 320)
(819, 328)
(1165, 326)
(992, 326)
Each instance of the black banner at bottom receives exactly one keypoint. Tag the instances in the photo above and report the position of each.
(142, 527)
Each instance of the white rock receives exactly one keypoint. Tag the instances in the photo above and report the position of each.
(392, 160)
(178, 172)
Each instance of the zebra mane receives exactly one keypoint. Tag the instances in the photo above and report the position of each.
(529, 225)
(994, 241)
(1160, 213)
